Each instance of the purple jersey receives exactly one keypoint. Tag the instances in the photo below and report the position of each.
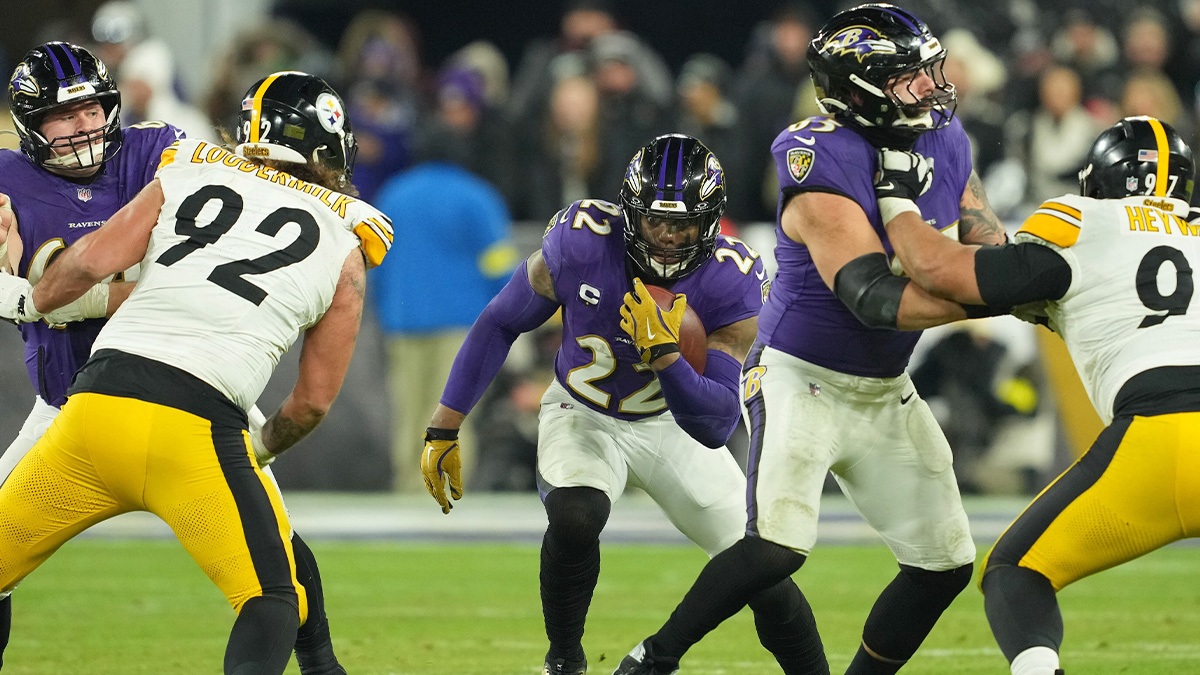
(53, 212)
(598, 363)
(803, 317)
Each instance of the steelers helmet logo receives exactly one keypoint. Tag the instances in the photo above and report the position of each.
(330, 113)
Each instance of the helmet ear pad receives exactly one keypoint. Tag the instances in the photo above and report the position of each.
(57, 74)
(295, 117)
(1129, 157)
(672, 178)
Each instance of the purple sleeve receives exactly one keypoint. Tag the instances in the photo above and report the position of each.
(553, 249)
(825, 158)
(744, 295)
(705, 406)
(148, 143)
(516, 309)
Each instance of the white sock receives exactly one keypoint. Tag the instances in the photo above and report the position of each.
(1035, 661)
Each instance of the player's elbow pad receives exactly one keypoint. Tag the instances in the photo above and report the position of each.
(869, 289)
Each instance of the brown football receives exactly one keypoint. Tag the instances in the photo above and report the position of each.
(693, 339)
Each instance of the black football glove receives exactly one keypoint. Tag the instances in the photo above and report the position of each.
(903, 176)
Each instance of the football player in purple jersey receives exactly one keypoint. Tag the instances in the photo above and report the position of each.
(625, 409)
(825, 387)
(68, 180)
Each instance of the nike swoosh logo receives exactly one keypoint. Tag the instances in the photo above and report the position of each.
(906, 399)
(760, 274)
(886, 186)
(806, 141)
(649, 331)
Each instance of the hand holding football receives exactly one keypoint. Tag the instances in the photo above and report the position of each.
(693, 339)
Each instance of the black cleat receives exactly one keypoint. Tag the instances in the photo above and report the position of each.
(640, 661)
(321, 661)
(564, 667)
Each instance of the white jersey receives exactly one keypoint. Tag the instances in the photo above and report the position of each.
(243, 258)
(1128, 308)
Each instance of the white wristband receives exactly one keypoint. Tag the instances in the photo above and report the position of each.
(256, 420)
(890, 207)
(93, 304)
(261, 454)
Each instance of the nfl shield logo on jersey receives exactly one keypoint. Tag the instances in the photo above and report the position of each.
(84, 194)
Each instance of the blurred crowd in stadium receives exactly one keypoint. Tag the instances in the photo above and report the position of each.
(1036, 79)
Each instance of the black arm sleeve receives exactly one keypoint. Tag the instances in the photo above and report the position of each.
(1016, 274)
(867, 286)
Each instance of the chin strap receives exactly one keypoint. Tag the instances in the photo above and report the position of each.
(72, 161)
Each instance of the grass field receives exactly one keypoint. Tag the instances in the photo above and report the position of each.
(102, 607)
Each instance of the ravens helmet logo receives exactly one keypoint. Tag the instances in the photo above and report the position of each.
(861, 41)
(23, 83)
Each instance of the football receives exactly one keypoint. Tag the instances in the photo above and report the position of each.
(693, 339)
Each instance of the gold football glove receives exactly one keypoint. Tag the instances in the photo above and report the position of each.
(655, 333)
(441, 462)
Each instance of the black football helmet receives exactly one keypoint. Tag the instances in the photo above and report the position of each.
(57, 74)
(674, 177)
(291, 116)
(1138, 156)
(859, 52)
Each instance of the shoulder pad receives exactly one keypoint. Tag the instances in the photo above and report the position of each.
(1057, 221)
(599, 216)
(373, 229)
(168, 155)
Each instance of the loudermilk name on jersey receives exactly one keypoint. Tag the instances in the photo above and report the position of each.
(598, 363)
(52, 213)
(803, 317)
